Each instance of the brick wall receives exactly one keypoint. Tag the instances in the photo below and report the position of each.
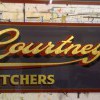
(76, 13)
(50, 96)
(50, 13)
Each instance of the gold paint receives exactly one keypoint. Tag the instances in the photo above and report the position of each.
(42, 79)
(51, 79)
(13, 81)
(16, 48)
(27, 79)
(87, 49)
(9, 30)
(66, 47)
(36, 50)
(4, 79)
(50, 50)
(4, 55)
(26, 50)
(9, 41)
(24, 79)
(74, 47)
(18, 65)
(33, 79)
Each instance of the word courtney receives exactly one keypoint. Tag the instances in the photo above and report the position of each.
(65, 47)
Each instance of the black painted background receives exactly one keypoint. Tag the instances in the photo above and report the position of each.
(66, 77)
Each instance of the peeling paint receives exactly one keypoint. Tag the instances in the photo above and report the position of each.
(49, 96)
